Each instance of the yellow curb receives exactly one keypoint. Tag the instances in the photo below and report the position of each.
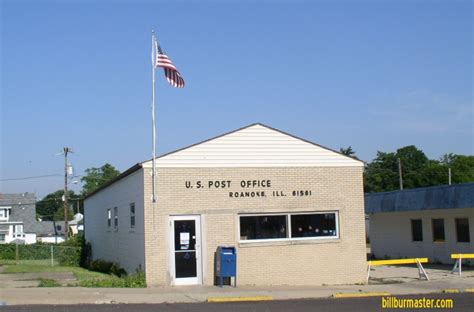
(450, 291)
(239, 299)
(361, 294)
(469, 290)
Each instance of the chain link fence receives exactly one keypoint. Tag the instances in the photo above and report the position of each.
(40, 254)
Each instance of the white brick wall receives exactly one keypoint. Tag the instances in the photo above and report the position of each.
(312, 262)
(124, 244)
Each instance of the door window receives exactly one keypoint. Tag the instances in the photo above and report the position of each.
(185, 248)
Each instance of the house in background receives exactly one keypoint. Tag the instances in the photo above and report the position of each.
(431, 222)
(18, 222)
(50, 231)
(76, 225)
(18, 218)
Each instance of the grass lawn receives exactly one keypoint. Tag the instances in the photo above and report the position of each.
(80, 273)
(85, 277)
(46, 282)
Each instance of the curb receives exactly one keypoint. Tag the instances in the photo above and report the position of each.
(360, 294)
(239, 299)
(451, 291)
(454, 291)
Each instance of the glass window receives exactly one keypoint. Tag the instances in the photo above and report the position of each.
(115, 217)
(17, 229)
(132, 215)
(462, 230)
(277, 226)
(313, 225)
(109, 217)
(263, 227)
(4, 213)
(438, 230)
(2, 237)
(416, 230)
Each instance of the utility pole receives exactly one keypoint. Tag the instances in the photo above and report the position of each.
(66, 195)
(449, 175)
(400, 173)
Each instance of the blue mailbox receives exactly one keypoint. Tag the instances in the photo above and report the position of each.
(226, 264)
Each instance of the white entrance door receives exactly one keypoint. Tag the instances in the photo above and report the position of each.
(185, 250)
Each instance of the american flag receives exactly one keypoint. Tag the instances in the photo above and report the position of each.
(171, 72)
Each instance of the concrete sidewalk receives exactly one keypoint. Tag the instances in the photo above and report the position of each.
(79, 295)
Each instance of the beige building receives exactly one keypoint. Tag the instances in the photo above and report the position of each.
(294, 210)
(430, 222)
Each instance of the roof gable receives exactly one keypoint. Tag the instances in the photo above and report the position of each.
(256, 145)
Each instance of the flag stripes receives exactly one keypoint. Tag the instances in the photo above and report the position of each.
(171, 72)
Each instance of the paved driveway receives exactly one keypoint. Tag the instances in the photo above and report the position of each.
(409, 273)
(20, 280)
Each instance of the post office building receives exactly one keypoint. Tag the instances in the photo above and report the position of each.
(293, 210)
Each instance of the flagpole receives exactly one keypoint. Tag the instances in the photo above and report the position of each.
(153, 170)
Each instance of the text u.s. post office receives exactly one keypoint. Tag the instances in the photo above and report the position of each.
(293, 209)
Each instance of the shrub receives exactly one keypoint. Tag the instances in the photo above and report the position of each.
(68, 256)
(100, 265)
(7, 252)
(117, 270)
(81, 256)
(86, 253)
(75, 241)
(133, 281)
(108, 267)
(36, 251)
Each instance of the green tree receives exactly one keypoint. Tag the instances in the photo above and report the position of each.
(434, 173)
(462, 167)
(97, 177)
(348, 152)
(413, 162)
(417, 170)
(382, 173)
(51, 207)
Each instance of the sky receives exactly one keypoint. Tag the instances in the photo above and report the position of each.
(374, 75)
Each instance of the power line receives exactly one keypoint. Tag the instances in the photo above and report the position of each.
(33, 177)
(59, 199)
(39, 177)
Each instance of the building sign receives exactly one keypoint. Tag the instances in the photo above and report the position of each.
(248, 188)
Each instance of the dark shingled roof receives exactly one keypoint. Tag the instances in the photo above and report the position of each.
(23, 209)
(426, 198)
(46, 228)
(16, 199)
